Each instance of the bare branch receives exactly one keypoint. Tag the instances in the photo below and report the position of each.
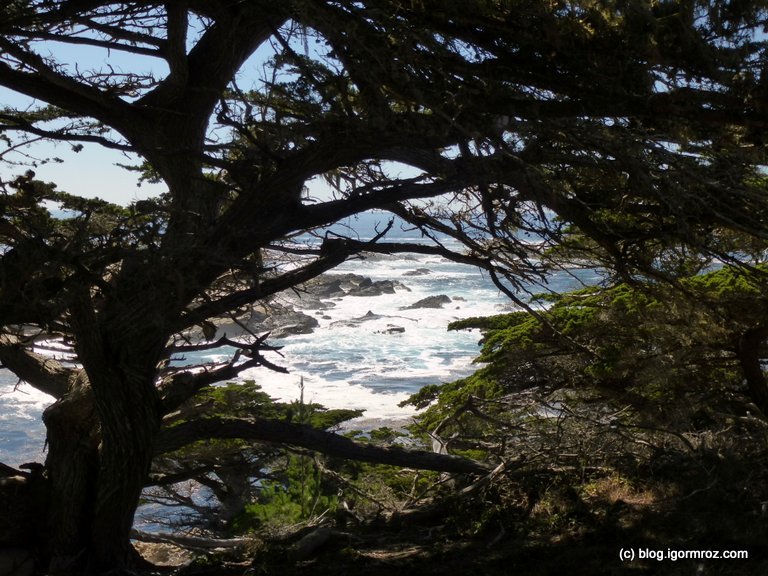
(86, 41)
(304, 436)
(42, 372)
(181, 387)
(189, 542)
(331, 258)
(16, 123)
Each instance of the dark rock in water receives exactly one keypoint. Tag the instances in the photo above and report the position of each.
(391, 329)
(340, 285)
(368, 316)
(297, 323)
(353, 322)
(375, 257)
(330, 289)
(418, 272)
(429, 302)
(344, 324)
(371, 288)
(282, 321)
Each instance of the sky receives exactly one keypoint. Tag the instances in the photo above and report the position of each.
(94, 171)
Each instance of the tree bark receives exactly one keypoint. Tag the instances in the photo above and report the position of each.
(305, 436)
(41, 372)
(120, 343)
(125, 456)
(748, 351)
(72, 466)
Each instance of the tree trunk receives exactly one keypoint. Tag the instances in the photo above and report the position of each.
(125, 456)
(96, 475)
(748, 351)
(72, 468)
(101, 450)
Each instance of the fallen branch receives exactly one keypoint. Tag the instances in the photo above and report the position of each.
(440, 508)
(303, 436)
(339, 479)
(189, 542)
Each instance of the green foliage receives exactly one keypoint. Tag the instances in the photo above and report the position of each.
(276, 486)
(240, 399)
(450, 396)
(289, 487)
(302, 492)
(650, 345)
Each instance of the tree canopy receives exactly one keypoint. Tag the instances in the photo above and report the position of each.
(624, 133)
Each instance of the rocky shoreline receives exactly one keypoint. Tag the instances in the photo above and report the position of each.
(287, 316)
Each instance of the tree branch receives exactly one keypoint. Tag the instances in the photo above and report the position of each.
(49, 85)
(41, 372)
(81, 41)
(304, 436)
(16, 123)
(178, 389)
(189, 542)
(176, 50)
(327, 261)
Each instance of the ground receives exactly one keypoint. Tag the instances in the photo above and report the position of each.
(572, 530)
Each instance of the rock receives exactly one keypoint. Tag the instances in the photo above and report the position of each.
(19, 511)
(340, 285)
(354, 322)
(391, 329)
(429, 302)
(331, 289)
(282, 321)
(310, 544)
(292, 324)
(376, 257)
(418, 272)
(371, 288)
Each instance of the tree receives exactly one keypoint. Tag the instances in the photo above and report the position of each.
(658, 349)
(230, 469)
(637, 124)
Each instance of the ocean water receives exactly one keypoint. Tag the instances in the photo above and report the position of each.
(345, 362)
(22, 435)
(365, 364)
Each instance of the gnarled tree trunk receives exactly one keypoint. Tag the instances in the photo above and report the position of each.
(125, 456)
(748, 351)
(72, 471)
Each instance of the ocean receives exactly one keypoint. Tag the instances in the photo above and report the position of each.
(366, 352)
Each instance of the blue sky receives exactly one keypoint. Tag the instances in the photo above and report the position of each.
(94, 171)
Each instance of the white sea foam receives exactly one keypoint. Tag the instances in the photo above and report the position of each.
(22, 434)
(372, 353)
(350, 360)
